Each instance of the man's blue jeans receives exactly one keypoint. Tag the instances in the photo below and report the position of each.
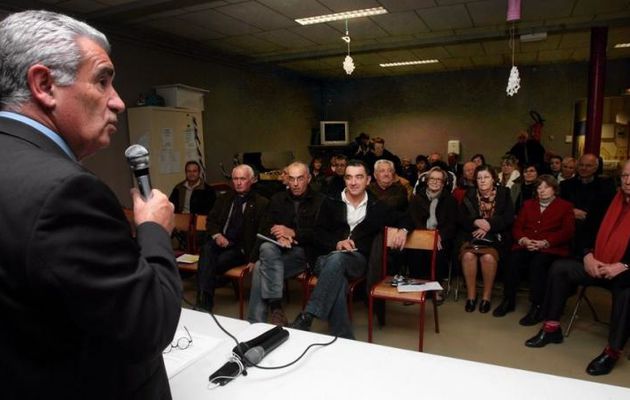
(274, 265)
(328, 300)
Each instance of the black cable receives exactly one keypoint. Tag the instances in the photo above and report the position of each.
(297, 359)
(279, 366)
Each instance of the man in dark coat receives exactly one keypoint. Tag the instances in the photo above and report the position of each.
(231, 230)
(344, 233)
(193, 195)
(86, 308)
(290, 221)
(591, 195)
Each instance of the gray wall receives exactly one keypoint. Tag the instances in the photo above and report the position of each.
(244, 111)
(419, 114)
(253, 110)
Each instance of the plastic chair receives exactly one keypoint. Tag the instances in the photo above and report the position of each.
(419, 239)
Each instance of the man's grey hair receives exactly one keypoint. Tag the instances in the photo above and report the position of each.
(300, 164)
(380, 162)
(40, 37)
(248, 168)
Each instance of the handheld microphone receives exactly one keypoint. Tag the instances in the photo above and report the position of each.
(255, 354)
(138, 160)
(249, 353)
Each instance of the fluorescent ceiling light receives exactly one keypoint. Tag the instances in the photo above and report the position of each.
(534, 37)
(403, 63)
(622, 45)
(341, 16)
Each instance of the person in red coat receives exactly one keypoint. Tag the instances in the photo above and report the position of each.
(542, 233)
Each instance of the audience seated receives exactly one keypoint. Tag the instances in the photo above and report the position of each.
(379, 152)
(485, 217)
(360, 147)
(386, 189)
(466, 181)
(318, 177)
(509, 171)
(231, 230)
(435, 208)
(335, 183)
(606, 265)
(290, 220)
(524, 188)
(542, 233)
(345, 230)
(567, 169)
(192, 195)
(453, 164)
(479, 159)
(555, 165)
(590, 195)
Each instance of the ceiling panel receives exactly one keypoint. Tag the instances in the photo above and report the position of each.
(219, 22)
(461, 34)
(401, 23)
(258, 15)
(449, 17)
(489, 12)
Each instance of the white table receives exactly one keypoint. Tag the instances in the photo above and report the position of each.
(358, 370)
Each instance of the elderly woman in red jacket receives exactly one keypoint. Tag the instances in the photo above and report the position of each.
(542, 233)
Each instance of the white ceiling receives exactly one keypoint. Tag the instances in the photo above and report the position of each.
(461, 34)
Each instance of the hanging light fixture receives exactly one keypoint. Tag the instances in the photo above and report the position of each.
(348, 62)
(513, 15)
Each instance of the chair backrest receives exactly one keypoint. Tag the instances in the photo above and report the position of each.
(418, 239)
(183, 222)
(183, 232)
(200, 223)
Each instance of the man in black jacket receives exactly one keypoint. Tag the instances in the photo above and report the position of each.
(591, 195)
(193, 195)
(231, 230)
(344, 233)
(86, 308)
(290, 221)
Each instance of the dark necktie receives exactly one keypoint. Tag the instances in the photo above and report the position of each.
(235, 224)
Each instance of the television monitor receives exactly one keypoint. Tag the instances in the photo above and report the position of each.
(334, 133)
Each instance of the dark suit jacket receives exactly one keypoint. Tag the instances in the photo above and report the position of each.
(281, 211)
(254, 210)
(594, 198)
(86, 309)
(201, 200)
(332, 224)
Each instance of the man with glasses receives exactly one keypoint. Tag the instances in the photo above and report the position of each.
(590, 195)
(605, 264)
(290, 221)
(86, 308)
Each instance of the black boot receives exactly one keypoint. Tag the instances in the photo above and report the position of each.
(506, 306)
(533, 316)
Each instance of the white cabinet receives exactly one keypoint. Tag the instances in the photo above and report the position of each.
(173, 136)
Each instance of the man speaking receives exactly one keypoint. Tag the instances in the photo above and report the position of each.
(86, 309)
